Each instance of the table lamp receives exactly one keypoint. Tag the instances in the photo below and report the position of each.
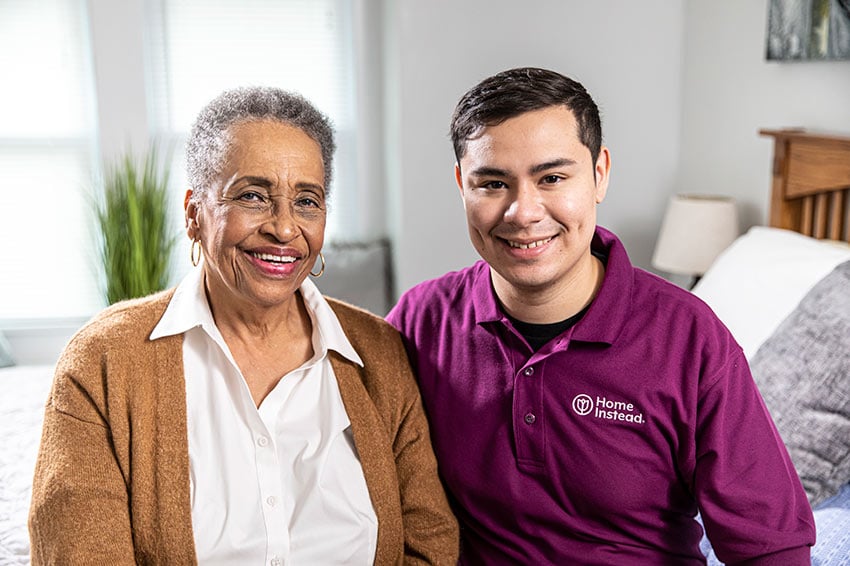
(695, 229)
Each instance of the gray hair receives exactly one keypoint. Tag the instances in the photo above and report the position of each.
(209, 138)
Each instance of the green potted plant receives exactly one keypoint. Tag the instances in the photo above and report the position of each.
(132, 220)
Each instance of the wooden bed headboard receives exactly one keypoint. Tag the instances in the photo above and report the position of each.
(811, 183)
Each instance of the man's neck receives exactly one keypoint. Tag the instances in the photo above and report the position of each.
(553, 303)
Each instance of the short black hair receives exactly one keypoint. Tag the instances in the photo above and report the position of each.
(517, 91)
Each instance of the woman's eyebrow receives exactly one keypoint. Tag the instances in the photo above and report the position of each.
(306, 185)
(253, 180)
(267, 183)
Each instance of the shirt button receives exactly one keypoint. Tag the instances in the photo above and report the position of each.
(529, 371)
(263, 441)
(275, 562)
(530, 418)
(271, 500)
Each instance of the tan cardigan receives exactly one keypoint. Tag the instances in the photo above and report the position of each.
(112, 477)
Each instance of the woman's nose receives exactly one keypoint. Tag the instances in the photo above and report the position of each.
(280, 222)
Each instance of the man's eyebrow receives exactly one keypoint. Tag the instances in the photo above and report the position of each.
(487, 171)
(562, 162)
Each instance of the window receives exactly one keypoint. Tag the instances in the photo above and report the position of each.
(46, 156)
(59, 122)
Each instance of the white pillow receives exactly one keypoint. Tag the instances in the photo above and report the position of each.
(758, 280)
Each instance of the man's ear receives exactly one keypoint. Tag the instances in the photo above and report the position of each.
(602, 172)
(458, 178)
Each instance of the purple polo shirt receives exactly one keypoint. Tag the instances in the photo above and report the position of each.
(600, 447)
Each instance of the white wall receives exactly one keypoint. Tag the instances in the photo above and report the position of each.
(628, 55)
(682, 84)
(122, 105)
(730, 92)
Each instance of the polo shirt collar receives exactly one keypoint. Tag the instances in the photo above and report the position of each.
(189, 309)
(484, 301)
(609, 311)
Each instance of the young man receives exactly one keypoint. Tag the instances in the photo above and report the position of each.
(583, 410)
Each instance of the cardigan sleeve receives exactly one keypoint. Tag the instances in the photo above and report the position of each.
(430, 528)
(79, 512)
(415, 522)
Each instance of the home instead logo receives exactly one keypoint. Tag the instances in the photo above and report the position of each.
(602, 408)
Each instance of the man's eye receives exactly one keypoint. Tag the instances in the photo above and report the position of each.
(494, 185)
(552, 179)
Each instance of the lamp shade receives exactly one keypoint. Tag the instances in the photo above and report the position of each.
(694, 231)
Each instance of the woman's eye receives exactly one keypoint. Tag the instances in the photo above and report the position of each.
(309, 199)
(251, 196)
(309, 202)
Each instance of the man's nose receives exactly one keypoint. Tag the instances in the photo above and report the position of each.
(526, 206)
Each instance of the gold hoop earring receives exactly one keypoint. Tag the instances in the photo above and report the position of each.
(322, 270)
(192, 254)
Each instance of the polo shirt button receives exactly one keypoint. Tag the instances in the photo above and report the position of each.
(262, 441)
(529, 371)
(530, 418)
(271, 500)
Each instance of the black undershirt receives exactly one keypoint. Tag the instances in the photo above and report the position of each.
(539, 334)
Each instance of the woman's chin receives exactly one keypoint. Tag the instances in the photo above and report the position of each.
(269, 298)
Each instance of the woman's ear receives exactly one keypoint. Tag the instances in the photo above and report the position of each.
(190, 210)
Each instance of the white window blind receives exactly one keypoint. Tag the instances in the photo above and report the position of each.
(46, 148)
(201, 47)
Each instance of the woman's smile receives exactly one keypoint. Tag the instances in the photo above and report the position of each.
(275, 263)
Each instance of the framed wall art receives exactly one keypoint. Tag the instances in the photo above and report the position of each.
(803, 30)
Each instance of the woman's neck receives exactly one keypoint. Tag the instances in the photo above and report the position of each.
(266, 343)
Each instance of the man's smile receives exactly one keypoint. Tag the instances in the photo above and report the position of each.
(528, 245)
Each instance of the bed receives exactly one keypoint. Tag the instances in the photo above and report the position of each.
(758, 287)
(21, 407)
(784, 292)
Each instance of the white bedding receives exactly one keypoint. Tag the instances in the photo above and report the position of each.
(758, 280)
(25, 390)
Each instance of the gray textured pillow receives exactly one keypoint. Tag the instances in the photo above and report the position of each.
(803, 372)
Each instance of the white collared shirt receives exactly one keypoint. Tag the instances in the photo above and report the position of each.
(280, 484)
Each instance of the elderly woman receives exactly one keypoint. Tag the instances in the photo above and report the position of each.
(241, 418)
